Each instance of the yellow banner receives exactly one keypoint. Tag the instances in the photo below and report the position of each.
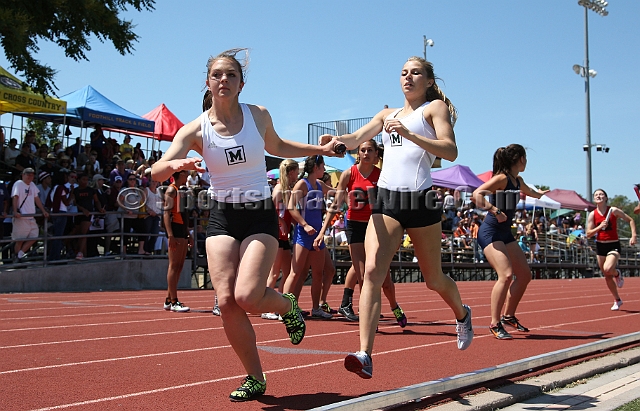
(14, 99)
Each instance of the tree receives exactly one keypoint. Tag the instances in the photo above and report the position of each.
(626, 205)
(68, 23)
(45, 134)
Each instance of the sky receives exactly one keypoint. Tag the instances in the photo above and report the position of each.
(506, 66)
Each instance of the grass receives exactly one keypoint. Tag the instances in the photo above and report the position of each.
(630, 406)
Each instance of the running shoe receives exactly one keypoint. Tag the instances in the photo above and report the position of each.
(319, 313)
(293, 321)
(465, 330)
(250, 389)
(178, 307)
(512, 321)
(500, 333)
(167, 305)
(79, 256)
(616, 305)
(619, 279)
(359, 363)
(400, 317)
(216, 309)
(325, 307)
(270, 316)
(347, 312)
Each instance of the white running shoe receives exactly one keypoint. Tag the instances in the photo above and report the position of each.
(359, 363)
(320, 313)
(216, 309)
(465, 330)
(270, 316)
(167, 305)
(178, 307)
(619, 279)
(616, 305)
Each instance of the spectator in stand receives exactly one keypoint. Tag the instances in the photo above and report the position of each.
(64, 161)
(86, 200)
(25, 199)
(98, 141)
(57, 148)
(69, 153)
(30, 138)
(83, 156)
(77, 148)
(4, 206)
(92, 166)
(44, 186)
(11, 152)
(193, 179)
(58, 201)
(24, 160)
(449, 208)
(152, 219)
(461, 234)
(50, 165)
(126, 149)
(138, 149)
(111, 221)
(41, 157)
(131, 203)
(119, 171)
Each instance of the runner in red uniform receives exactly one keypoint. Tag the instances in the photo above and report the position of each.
(602, 224)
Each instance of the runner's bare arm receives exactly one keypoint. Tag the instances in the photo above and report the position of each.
(273, 144)
(188, 138)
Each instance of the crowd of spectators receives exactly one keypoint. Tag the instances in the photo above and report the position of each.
(86, 180)
(82, 185)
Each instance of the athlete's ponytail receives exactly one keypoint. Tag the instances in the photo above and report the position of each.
(434, 92)
(505, 157)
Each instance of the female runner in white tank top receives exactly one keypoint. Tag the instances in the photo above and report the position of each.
(242, 235)
(412, 136)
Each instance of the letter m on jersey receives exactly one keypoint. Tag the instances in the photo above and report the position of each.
(396, 139)
(235, 155)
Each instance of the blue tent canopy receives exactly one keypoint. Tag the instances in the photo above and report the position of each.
(340, 163)
(87, 107)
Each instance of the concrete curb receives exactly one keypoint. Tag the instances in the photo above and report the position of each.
(523, 390)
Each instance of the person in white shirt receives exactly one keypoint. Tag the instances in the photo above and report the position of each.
(25, 199)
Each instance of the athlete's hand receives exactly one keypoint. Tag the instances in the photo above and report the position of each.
(501, 217)
(393, 124)
(318, 242)
(309, 229)
(603, 225)
(188, 164)
(329, 149)
(632, 240)
(324, 139)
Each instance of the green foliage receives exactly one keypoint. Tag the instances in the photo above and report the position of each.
(543, 188)
(48, 134)
(626, 205)
(69, 24)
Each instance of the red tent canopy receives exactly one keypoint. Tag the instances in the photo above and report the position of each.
(167, 124)
(486, 176)
(570, 199)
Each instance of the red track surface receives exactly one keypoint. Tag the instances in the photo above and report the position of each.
(107, 350)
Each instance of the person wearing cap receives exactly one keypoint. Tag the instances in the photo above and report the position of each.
(25, 199)
(44, 185)
(126, 149)
(86, 199)
(119, 171)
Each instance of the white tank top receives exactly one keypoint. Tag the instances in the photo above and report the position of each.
(407, 166)
(236, 164)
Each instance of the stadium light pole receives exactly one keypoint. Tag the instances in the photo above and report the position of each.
(426, 42)
(598, 6)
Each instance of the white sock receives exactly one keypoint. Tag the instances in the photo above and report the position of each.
(20, 254)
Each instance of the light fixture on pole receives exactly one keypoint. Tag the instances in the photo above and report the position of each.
(599, 147)
(597, 6)
(427, 42)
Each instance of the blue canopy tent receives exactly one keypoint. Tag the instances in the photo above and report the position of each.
(87, 107)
